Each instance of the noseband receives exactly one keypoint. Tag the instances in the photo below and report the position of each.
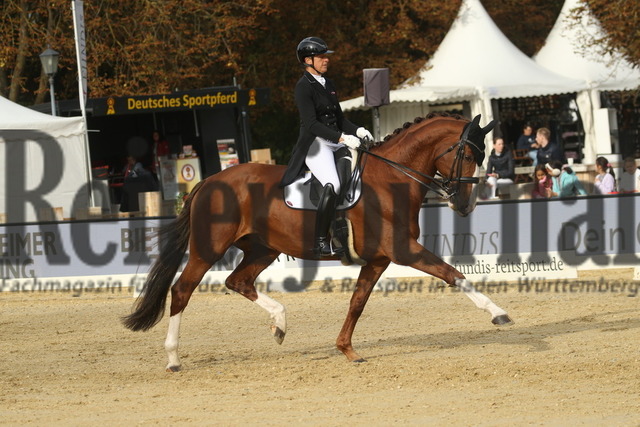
(444, 187)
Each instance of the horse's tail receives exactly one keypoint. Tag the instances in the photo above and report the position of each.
(173, 239)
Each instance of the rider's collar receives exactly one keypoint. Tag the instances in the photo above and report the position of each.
(320, 79)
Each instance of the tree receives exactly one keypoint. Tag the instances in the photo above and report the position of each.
(26, 27)
(620, 20)
(142, 47)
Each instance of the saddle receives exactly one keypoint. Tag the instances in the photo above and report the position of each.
(304, 193)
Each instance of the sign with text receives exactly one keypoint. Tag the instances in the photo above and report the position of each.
(222, 97)
(499, 241)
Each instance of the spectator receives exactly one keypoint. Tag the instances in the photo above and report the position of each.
(527, 141)
(547, 152)
(630, 178)
(500, 168)
(542, 183)
(136, 180)
(565, 182)
(605, 182)
(160, 150)
(133, 169)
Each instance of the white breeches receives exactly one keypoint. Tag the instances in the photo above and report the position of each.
(321, 162)
(494, 183)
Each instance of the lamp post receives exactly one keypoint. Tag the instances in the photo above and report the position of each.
(49, 59)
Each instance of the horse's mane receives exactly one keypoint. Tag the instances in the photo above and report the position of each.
(417, 120)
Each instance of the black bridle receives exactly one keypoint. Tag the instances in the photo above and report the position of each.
(444, 186)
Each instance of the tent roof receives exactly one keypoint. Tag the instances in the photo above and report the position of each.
(562, 54)
(476, 57)
(15, 117)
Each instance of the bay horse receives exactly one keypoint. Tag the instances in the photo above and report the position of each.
(243, 206)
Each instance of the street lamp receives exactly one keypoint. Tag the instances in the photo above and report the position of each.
(49, 59)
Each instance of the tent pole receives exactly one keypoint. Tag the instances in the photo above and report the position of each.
(376, 123)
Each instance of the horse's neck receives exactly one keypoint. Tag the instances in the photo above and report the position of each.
(409, 153)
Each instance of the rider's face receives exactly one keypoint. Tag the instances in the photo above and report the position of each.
(319, 62)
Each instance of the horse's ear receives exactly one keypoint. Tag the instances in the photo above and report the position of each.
(488, 128)
(472, 132)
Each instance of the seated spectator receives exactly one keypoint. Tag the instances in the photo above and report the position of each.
(565, 182)
(547, 152)
(542, 183)
(136, 180)
(605, 182)
(133, 169)
(500, 168)
(630, 178)
(527, 141)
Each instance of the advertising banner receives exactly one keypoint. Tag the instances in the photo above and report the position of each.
(512, 241)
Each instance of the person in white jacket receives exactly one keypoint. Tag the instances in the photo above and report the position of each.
(630, 178)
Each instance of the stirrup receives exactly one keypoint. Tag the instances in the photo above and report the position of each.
(324, 248)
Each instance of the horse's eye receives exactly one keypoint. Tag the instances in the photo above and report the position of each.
(468, 158)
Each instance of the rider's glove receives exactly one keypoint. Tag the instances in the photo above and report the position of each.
(350, 141)
(364, 134)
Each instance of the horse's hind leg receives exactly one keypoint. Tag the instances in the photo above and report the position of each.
(256, 258)
(181, 292)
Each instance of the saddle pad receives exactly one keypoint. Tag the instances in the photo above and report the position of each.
(297, 194)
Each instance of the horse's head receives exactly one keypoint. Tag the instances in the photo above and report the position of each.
(459, 166)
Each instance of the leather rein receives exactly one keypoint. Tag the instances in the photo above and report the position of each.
(444, 187)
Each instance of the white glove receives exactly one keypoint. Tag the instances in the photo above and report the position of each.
(362, 133)
(350, 141)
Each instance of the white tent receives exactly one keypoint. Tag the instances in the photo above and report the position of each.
(475, 62)
(564, 53)
(44, 163)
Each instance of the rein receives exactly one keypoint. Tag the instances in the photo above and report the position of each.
(445, 187)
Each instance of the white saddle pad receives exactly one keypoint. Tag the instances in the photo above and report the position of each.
(296, 194)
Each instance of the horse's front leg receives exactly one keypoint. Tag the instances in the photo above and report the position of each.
(369, 275)
(420, 258)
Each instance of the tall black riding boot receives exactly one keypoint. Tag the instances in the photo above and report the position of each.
(324, 217)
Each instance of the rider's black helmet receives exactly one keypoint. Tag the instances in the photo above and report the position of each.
(311, 46)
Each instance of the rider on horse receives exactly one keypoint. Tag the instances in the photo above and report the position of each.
(323, 131)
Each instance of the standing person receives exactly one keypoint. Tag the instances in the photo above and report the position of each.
(160, 147)
(527, 141)
(323, 131)
(547, 152)
(500, 168)
(630, 178)
(542, 184)
(605, 181)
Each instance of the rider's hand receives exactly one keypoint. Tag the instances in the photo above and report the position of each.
(364, 134)
(350, 141)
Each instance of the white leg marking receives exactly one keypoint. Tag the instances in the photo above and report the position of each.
(479, 299)
(171, 343)
(276, 311)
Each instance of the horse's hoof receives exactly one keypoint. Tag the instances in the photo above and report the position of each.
(502, 320)
(173, 368)
(278, 334)
(361, 360)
